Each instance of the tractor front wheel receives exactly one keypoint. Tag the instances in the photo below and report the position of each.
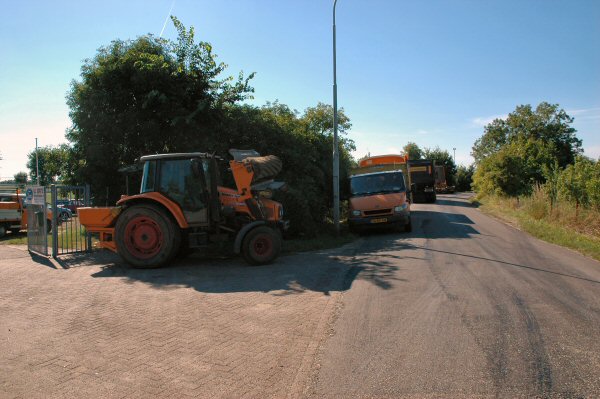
(146, 236)
(261, 245)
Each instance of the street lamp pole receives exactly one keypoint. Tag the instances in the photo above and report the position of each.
(336, 155)
(454, 149)
(37, 164)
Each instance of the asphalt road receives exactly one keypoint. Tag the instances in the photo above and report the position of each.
(464, 306)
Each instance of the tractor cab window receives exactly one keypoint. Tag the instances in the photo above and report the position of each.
(178, 181)
(149, 177)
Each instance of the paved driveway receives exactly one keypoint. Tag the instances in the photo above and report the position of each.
(90, 327)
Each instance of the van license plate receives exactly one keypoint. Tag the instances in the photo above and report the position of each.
(382, 220)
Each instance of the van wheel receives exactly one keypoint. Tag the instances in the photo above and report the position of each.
(261, 246)
(146, 237)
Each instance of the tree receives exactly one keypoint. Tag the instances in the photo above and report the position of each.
(580, 183)
(305, 148)
(515, 168)
(21, 178)
(52, 161)
(144, 96)
(442, 157)
(413, 151)
(464, 177)
(546, 123)
(524, 147)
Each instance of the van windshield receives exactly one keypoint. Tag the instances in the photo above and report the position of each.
(380, 183)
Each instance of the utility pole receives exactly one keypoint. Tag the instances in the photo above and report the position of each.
(454, 149)
(336, 155)
(37, 164)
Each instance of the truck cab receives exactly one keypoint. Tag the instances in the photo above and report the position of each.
(379, 199)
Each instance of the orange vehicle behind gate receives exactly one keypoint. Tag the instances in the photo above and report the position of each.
(13, 213)
(379, 194)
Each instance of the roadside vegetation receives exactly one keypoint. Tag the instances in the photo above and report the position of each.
(530, 171)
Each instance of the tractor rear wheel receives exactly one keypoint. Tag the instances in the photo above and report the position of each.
(146, 236)
(261, 245)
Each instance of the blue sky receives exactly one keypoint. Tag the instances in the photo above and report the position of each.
(432, 72)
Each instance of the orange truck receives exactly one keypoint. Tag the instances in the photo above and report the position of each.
(182, 206)
(441, 184)
(379, 194)
(13, 213)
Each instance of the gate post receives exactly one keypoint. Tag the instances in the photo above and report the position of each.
(53, 197)
(86, 202)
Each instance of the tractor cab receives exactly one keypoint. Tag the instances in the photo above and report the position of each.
(185, 179)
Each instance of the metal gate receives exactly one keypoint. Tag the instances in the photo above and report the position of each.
(37, 220)
(68, 235)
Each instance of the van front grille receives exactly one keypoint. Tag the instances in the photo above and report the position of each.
(378, 212)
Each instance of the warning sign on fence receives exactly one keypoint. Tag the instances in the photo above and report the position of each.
(35, 195)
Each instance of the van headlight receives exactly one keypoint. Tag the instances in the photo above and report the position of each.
(401, 208)
(355, 212)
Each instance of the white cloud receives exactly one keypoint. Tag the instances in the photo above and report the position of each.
(592, 152)
(585, 113)
(482, 121)
(581, 111)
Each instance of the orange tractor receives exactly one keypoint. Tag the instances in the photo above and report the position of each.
(182, 206)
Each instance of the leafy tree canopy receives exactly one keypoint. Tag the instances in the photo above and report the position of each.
(20, 178)
(143, 96)
(442, 157)
(547, 123)
(515, 168)
(413, 151)
(464, 177)
(52, 161)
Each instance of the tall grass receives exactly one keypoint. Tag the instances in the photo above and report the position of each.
(559, 221)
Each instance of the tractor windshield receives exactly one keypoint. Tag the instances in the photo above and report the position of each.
(379, 183)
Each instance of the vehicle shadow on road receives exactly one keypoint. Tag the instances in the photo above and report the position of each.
(450, 201)
(286, 276)
(434, 225)
(376, 261)
(325, 272)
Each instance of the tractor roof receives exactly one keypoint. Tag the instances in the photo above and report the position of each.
(178, 155)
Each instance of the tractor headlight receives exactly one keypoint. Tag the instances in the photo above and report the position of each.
(355, 212)
(401, 208)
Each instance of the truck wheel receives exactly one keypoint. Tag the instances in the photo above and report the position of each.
(261, 245)
(146, 237)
